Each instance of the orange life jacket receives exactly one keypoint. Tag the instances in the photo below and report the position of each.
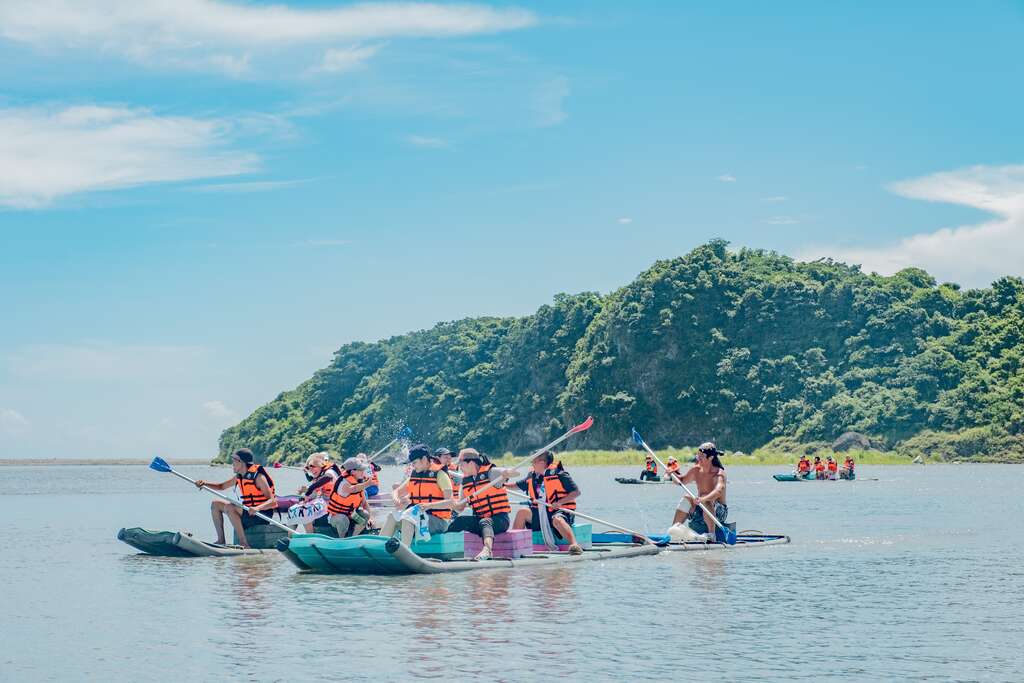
(804, 465)
(374, 480)
(328, 488)
(652, 467)
(849, 464)
(248, 491)
(552, 487)
(491, 502)
(833, 466)
(338, 504)
(819, 466)
(423, 488)
(672, 468)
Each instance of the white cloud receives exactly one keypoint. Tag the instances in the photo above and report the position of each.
(105, 363)
(549, 100)
(427, 142)
(625, 220)
(50, 153)
(218, 411)
(339, 60)
(973, 255)
(254, 186)
(775, 199)
(13, 423)
(224, 36)
(782, 220)
(726, 178)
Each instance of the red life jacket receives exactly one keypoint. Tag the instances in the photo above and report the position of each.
(552, 487)
(833, 466)
(819, 466)
(248, 491)
(338, 504)
(491, 502)
(804, 465)
(652, 467)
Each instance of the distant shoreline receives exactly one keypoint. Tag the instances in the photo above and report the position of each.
(34, 462)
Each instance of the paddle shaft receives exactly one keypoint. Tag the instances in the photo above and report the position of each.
(381, 451)
(235, 502)
(624, 530)
(501, 480)
(686, 488)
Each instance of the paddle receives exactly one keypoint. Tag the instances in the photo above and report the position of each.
(279, 465)
(403, 433)
(729, 534)
(160, 465)
(581, 427)
(647, 539)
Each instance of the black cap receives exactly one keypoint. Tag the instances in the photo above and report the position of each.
(442, 451)
(245, 455)
(420, 450)
(709, 448)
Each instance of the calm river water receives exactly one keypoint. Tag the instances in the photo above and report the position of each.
(917, 575)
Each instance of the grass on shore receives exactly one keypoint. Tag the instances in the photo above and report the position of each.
(759, 457)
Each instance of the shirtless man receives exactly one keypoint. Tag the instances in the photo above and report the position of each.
(709, 475)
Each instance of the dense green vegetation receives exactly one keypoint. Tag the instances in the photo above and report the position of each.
(746, 348)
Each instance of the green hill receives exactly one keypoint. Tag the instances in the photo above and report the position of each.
(746, 348)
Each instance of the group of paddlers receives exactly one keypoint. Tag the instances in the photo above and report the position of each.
(455, 493)
(825, 469)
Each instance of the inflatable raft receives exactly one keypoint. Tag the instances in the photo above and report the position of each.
(180, 544)
(799, 477)
(744, 539)
(633, 480)
(382, 555)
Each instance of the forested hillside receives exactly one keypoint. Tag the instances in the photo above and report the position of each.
(741, 347)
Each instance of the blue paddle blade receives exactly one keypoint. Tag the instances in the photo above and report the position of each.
(160, 465)
(404, 433)
(637, 438)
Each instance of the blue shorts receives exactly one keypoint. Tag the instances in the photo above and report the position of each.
(697, 517)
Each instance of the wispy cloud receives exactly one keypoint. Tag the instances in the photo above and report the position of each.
(323, 243)
(49, 153)
(218, 411)
(228, 36)
(775, 199)
(781, 220)
(549, 101)
(426, 141)
(726, 178)
(254, 186)
(625, 220)
(339, 60)
(971, 254)
(13, 423)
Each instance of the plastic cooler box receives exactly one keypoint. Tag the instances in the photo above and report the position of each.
(441, 547)
(584, 534)
(509, 545)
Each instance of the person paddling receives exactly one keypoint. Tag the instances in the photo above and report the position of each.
(429, 488)
(347, 511)
(832, 467)
(803, 467)
(709, 475)
(561, 493)
(255, 490)
(819, 468)
(490, 504)
(650, 472)
(847, 471)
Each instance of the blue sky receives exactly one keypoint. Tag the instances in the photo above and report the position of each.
(198, 206)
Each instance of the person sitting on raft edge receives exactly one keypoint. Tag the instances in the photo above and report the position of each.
(833, 467)
(561, 492)
(256, 491)
(442, 460)
(819, 468)
(490, 506)
(803, 466)
(650, 472)
(430, 489)
(709, 475)
(321, 474)
(672, 467)
(346, 506)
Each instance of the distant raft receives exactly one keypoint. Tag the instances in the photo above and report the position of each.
(382, 555)
(744, 539)
(633, 480)
(180, 544)
(810, 477)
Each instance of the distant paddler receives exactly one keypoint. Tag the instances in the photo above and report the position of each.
(819, 468)
(443, 461)
(650, 472)
(560, 491)
(803, 467)
(672, 467)
(371, 469)
(429, 488)
(347, 510)
(709, 476)
(490, 503)
(832, 467)
(846, 471)
(255, 490)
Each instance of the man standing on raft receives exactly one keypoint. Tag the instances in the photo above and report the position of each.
(255, 489)
(709, 476)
